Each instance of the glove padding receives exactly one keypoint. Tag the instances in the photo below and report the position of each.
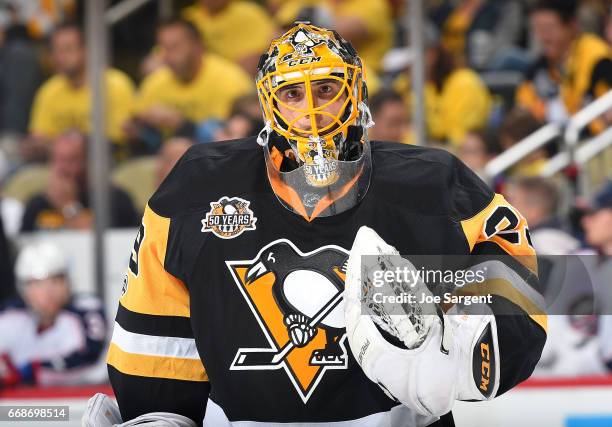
(458, 359)
(406, 321)
(102, 411)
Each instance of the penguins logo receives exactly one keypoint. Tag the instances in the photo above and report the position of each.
(228, 218)
(303, 43)
(297, 300)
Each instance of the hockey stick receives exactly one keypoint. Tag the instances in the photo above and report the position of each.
(267, 358)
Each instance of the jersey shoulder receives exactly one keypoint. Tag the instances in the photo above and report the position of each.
(209, 171)
(119, 84)
(158, 79)
(430, 180)
(54, 86)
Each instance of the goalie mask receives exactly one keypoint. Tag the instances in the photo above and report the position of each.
(312, 92)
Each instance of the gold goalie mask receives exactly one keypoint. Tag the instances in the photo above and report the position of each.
(312, 92)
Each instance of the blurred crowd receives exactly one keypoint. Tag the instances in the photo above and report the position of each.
(496, 72)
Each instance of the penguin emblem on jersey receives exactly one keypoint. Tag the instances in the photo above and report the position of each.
(229, 218)
(296, 298)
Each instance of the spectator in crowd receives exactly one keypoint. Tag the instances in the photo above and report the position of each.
(39, 17)
(390, 116)
(573, 68)
(598, 233)
(239, 125)
(20, 75)
(249, 105)
(592, 15)
(64, 101)
(539, 200)
(367, 24)
(192, 87)
(456, 98)
(238, 30)
(578, 292)
(477, 148)
(66, 202)
(481, 33)
(244, 120)
(598, 222)
(581, 344)
(48, 333)
(517, 125)
(168, 155)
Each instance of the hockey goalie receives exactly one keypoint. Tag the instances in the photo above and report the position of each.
(246, 296)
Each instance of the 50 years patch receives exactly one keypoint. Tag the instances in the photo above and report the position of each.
(229, 217)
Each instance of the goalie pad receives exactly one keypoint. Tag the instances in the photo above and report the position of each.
(159, 419)
(446, 356)
(102, 411)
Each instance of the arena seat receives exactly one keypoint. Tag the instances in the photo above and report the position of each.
(27, 182)
(137, 178)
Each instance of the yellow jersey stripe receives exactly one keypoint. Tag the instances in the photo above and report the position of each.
(156, 366)
(154, 291)
(504, 288)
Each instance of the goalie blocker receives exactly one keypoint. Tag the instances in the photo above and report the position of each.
(423, 359)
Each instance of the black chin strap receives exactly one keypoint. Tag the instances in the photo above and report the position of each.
(352, 148)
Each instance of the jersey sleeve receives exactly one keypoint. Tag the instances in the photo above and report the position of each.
(498, 235)
(152, 359)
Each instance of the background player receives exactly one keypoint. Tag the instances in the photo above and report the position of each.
(60, 336)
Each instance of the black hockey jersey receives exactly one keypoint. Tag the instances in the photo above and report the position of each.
(219, 264)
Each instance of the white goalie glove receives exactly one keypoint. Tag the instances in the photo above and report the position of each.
(444, 357)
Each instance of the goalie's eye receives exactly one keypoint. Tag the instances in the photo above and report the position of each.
(291, 94)
(322, 91)
(326, 89)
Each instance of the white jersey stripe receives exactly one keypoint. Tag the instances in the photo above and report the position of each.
(130, 342)
(399, 415)
(498, 270)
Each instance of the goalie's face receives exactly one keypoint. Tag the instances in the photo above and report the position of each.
(313, 108)
(310, 84)
(311, 89)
